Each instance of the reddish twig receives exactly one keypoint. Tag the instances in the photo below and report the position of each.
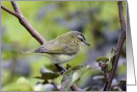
(9, 11)
(15, 7)
(17, 13)
(118, 48)
(24, 22)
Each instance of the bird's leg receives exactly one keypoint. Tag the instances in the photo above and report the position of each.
(60, 68)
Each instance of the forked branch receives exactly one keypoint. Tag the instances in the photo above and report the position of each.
(17, 13)
(24, 22)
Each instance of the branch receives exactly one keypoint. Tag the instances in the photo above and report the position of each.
(23, 21)
(15, 7)
(119, 46)
(9, 11)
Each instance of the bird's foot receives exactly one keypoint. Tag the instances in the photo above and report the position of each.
(60, 68)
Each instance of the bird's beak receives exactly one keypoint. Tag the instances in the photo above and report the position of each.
(86, 43)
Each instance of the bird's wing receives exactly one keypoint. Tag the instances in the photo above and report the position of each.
(56, 48)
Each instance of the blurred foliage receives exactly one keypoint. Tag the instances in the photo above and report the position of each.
(72, 75)
(47, 75)
(97, 20)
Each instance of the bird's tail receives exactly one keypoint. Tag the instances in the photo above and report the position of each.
(27, 51)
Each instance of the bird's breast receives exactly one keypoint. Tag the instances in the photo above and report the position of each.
(62, 58)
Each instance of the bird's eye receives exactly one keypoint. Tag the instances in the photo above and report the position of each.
(81, 39)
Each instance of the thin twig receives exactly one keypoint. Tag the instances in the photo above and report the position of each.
(9, 11)
(119, 46)
(17, 13)
(26, 24)
(15, 7)
(105, 76)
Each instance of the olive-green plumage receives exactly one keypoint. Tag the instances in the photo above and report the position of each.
(63, 48)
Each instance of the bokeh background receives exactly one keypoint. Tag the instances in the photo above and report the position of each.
(97, 20)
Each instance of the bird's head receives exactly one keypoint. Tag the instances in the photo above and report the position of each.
(79, 38)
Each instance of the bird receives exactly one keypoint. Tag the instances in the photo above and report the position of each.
(63, 48)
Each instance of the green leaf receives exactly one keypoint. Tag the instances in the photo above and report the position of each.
(68, 66)
(122, 82)
(47, 75)
(51, 67)
(72, 75)
(104, 59)
(112, 51)
(109, 64)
